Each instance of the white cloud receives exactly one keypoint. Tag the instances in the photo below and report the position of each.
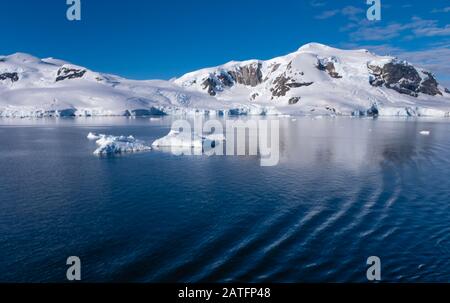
(327, 14)
(416, 28)
(433, 31)
(351, 12)
(317, 3)
(441, 10)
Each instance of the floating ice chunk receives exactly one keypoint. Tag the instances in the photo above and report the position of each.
(94, 136)
(425, 133)
(109, 145)
(179, 139)
(185, 141)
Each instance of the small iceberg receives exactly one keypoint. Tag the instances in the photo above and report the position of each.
(179, 139)
(94, 136)
(110, 145)
(182, 141)
(425, 133)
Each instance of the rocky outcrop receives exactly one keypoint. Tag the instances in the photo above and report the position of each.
(447, 91)
(216, 83)
(69, 73)
(429, 85)
(294, 100)
(403, 78)
(250, 75)
(328, 65)
(253, 96)
(210, 86)
(14, 77)
(283, 84)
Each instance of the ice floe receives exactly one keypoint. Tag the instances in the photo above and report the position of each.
(94, 136)
(109, 145)
(179, 139)
(185, 141)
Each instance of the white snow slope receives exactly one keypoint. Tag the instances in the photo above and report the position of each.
(316, 79)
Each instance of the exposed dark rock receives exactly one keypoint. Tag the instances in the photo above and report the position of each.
(447, 91)
(275, 67)
(330, 68)
(404, 79)
(254, 96)
(294, 100)
(331, 109)
(69, 73)
(14, 77)
(210, 85)
(289, 66)
(250, 75)
(430, 86)
(225, 80)
(283, 84)
(280, 88)
(295, 85)
(216, 82)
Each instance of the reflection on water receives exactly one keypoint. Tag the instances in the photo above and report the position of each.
(345, 189)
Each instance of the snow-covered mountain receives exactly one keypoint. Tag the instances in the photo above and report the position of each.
(316, 79)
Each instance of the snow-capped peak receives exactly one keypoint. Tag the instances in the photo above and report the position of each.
(313, 46)
(22, 58)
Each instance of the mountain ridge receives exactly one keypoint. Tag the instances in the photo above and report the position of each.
(314, 80)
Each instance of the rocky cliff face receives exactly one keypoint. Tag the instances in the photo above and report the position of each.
(328, 65)
(404, 78)
(248, 75)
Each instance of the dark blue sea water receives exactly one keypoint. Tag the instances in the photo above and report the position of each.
(345, 189)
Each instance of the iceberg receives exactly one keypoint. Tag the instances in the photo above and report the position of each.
(110, 145)
(179, 139)
(94, 136)
(183, 142)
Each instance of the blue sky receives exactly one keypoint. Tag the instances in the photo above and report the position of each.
(166, 38)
